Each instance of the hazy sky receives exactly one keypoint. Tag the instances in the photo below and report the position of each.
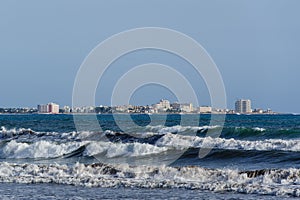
(255, 44)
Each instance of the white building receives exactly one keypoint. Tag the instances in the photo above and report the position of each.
(186, 107)
(243, 106)
(163, 105)
(205, 109)
(88, 109)
(67, 109)
(123, 108)
(49, 108)
(76, 110)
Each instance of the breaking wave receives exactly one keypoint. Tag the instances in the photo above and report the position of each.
(266, 182)
(138, 147)
(180, 141)
(14, 132)
(40, 149)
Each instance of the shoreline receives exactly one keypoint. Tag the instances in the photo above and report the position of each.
(240, 114)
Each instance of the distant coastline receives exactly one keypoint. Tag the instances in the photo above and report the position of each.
(162, 113)
(242, 107)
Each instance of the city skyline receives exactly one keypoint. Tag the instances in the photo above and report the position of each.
(242, 106)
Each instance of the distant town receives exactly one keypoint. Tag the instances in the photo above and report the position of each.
(242, 106)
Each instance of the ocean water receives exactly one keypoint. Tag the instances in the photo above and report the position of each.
(50, 157)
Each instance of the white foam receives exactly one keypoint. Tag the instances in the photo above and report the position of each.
(47, 149)
(259, 129)
(51, 149)
(122, 149)
(180, 141)
(13, 132)
(39, 149)
(271, 182)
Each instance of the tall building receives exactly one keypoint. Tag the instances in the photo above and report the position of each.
(49, 108)
(43, 108)
(163, 105)
(243, 106)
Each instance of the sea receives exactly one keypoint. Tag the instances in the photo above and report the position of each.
(156, 156)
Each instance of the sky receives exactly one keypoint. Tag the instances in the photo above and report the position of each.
(255, 45)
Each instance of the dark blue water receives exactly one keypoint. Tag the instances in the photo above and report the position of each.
(253, 155)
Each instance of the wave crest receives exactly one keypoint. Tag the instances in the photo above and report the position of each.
(271, 182)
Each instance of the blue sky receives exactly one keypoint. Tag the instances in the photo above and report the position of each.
(255, 44)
